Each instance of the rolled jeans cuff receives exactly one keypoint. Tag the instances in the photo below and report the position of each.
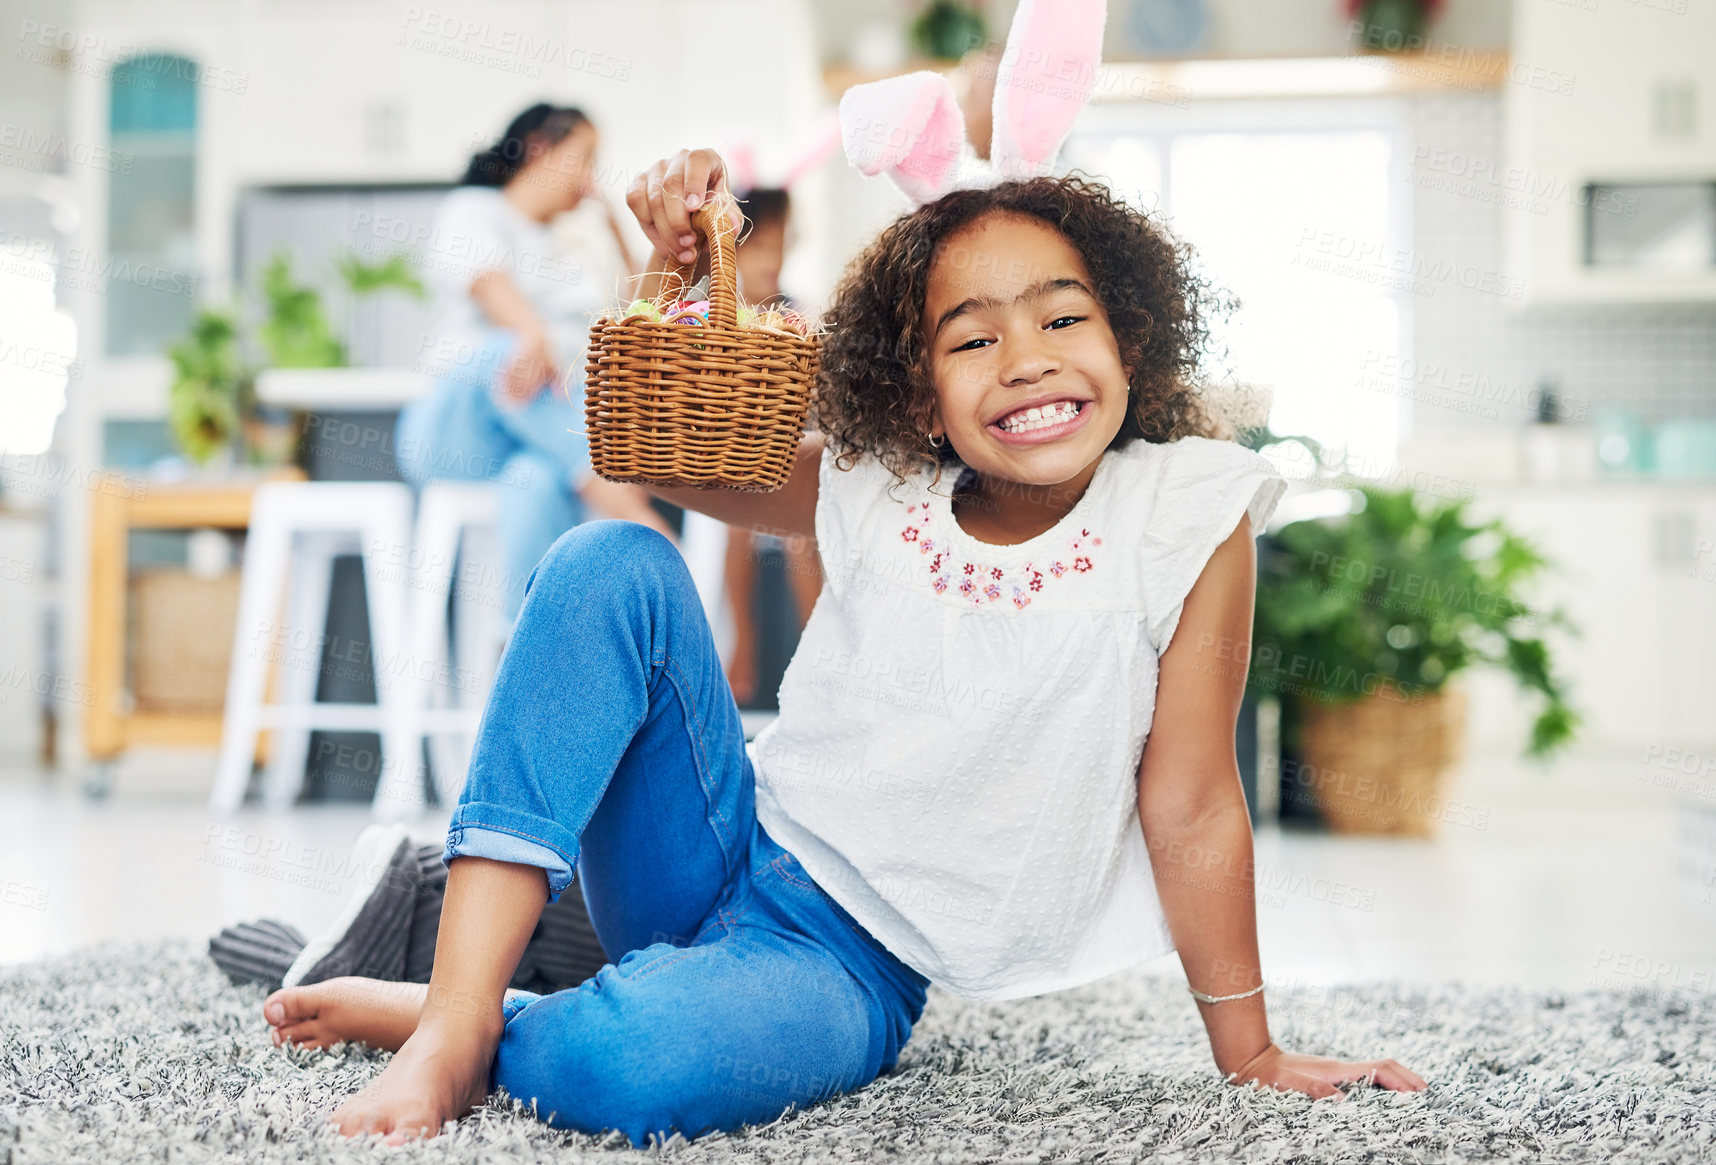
(515, 1002)
(482, 830)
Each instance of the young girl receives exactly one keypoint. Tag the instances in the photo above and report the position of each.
(1005, 756)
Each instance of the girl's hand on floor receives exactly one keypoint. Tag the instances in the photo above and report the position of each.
(1317, 1076)
(664, 196)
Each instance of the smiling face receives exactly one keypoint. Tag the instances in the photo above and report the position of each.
(1029, 384)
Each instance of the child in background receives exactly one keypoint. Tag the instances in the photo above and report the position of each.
(761, 253)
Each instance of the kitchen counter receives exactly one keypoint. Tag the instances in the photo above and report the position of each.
(340, 389)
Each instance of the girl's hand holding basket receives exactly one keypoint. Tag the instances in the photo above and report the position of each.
(665, 196)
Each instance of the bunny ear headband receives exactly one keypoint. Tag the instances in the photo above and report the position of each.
(910, 128)
(749, 166)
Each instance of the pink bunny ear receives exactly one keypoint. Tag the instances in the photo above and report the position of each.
(740, 158)
(1044, 78)
(908, 128)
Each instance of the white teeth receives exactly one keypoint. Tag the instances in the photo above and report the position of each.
(1027, 420)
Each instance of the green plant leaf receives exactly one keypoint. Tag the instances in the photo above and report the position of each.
(208, 376)
(1554, 728)
(295, 331)
(393, 273)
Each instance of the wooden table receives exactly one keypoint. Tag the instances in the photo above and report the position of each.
(118, 506)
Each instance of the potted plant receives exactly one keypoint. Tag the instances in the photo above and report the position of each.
(1362, 621)
(212, 400)
(946, 30)
(296, 332)
(1392, 25)
(209, 382)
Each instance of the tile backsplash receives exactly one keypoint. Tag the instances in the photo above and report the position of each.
(1658, 361)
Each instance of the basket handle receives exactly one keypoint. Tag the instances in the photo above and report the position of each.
(710, 221)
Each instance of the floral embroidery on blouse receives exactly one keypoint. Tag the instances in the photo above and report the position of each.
(982, 584)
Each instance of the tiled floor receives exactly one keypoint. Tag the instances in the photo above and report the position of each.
(1580, 875)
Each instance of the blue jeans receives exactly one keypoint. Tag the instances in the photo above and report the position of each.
(537, 453)
(612, 744)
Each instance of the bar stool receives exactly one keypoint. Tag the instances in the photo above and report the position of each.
(297, 529)
(455, 544)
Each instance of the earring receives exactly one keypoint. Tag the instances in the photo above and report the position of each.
(934, 441)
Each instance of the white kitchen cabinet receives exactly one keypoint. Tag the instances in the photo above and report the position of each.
(379, 92)
(1604, 93)
(1643, 670)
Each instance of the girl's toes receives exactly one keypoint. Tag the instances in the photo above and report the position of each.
(289, 1005)
(303, 1035)
(349, 1118)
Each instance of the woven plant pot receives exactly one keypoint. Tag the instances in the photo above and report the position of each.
(681, 405)
(1380, 765)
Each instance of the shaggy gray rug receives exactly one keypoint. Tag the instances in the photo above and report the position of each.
(146, 1053)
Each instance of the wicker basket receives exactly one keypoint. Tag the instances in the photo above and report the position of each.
(181, 630)
(722, 405)
(1380, 765)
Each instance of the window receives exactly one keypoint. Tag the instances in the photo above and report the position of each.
(1298, 218)
(151, 206)
(38, 344)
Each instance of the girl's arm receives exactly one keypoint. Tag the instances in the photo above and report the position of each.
(1198, 830)
(787, 512)
(532, 365)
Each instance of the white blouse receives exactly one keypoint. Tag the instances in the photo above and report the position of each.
(478, 230)
(956, 758)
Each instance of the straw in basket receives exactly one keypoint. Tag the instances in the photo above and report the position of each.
(710, 404)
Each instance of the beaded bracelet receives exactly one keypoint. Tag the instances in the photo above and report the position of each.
(1202, 998)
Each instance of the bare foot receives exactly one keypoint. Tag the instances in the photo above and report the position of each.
(440, 1074)
(368, 1011)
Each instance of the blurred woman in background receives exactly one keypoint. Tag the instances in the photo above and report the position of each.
(513, 309)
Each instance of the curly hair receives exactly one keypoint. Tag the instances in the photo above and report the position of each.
(874, 393)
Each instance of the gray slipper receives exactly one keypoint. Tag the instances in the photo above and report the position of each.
(426, 913)
(256, 952)
(388, 930)
(563, 951)
(371, 935)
